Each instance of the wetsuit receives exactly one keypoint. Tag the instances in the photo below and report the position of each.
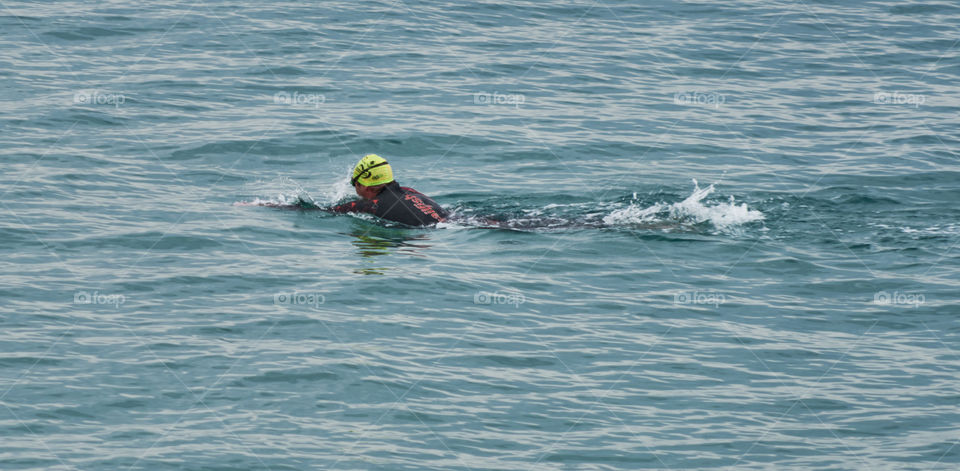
(399, 204)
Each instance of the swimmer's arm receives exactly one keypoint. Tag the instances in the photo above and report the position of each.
(304, 204)
(360, 206)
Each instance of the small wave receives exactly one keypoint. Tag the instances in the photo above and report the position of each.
(692, 210)
(284, 192)
(935, 230)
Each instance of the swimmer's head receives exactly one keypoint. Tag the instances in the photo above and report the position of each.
(372, 170)
(370, 175)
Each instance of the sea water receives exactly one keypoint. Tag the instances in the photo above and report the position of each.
(726, 236)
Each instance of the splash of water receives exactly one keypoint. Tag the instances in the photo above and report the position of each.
(692, 210)
(337, 192)
(285, 191)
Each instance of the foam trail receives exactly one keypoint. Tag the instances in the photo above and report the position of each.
(338, 191)
(723, 216)
(285, 192)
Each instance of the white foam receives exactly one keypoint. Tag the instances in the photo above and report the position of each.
(255, 202)
(285, 191)
(938, 230)
(338, 191)
(633, 214)
(722, 215)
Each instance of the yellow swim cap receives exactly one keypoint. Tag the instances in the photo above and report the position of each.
(372, 170)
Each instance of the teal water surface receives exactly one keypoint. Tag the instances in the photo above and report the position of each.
(729, 236)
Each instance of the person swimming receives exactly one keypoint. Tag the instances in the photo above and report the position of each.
(381, 196)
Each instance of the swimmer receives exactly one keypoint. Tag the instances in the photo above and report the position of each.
(383, 197)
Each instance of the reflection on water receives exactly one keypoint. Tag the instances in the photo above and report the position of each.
(373, 242)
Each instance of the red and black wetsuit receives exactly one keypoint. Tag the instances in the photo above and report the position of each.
(399, 204)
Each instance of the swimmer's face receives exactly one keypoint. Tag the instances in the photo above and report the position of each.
(365, 192)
